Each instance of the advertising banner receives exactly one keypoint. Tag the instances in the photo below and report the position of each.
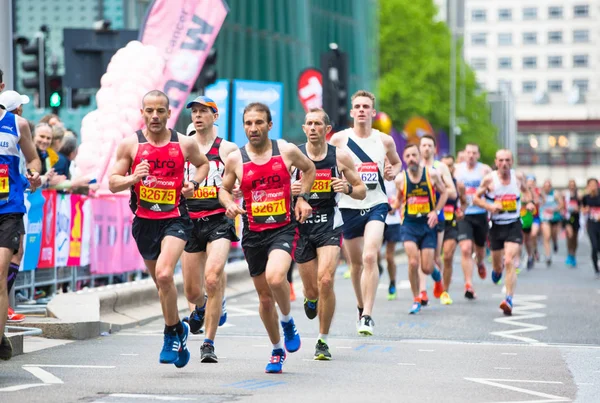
(46, 259)
(33, 220)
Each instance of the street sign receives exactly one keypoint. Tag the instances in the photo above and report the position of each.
(310, 88)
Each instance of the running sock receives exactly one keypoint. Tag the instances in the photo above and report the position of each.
(436, 275)
(175, 329)
(393, 283)
(286, 318)
(203, 307)
(314, 301)
(209, 341)
(509, 299)
(360, 311)
(278, 346)
(13, 270)
(323, 337)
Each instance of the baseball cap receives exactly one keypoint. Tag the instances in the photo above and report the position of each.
(203, 100)
(191, 130)
(11, 100)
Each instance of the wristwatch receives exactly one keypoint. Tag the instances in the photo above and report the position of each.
(196, 184)
(305, 196)
(350, 189)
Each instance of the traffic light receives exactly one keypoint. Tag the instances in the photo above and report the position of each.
(55, 92)
(37, 66)
(80, 99)
(334, 65)
(208, 74)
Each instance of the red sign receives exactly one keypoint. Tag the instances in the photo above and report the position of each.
(310, 88)
(46, 259)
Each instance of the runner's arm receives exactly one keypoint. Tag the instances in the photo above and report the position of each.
(447, 178)
(462, 193)
(441, 189)
(481, 191)
(399, 181)
(229, 178)
(195, 157)
(346, 166)
(525, 191)
(392, 155)
(304, 164)
(34, 165)
(118, 180)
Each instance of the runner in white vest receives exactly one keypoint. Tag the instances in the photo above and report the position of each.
(364, 220)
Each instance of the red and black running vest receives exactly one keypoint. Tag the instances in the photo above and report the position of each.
(205, 201)
(267, 192)
(158, 195)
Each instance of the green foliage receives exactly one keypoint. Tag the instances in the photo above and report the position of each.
(414, 80)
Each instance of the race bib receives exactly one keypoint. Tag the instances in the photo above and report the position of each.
(369, 174)
(595, 213)
(269, 206)
(4, 183)
(523, 211)
(448, 212)
(205, 192)
(470, 193)
(322, 184)
(548, 214)
(572, 206)
(418, 205)
(157, 199)
(508, 202)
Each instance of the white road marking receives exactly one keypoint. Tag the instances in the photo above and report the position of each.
(150, 397)
(502, 368)
(401, 285)
(17, 388)
(130, 355)
(343, 347)
(523, 305)
(70, 366)
(407, 363)
(584, 383)
(43, 375)
(426, 351)
(509, 353)
(495, 383)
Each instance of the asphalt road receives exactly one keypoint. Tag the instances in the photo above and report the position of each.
(548, 351)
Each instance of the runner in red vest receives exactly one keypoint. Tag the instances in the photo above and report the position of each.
(155, 160)
(264, 167)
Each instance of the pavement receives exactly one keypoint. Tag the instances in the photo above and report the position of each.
(548, 351)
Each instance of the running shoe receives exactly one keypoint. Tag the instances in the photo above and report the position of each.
(207, 353)
(469, 292)
(322, 351)
(5, 348)
(506, 307)
(347, 274)
(223, 317)
(530, 263)
(292, 293)
(438, 289)
(392, 292)
(496, 276)
(415, 308)
(548, 263)
(481, 270)
(183, 353)
(291, 336)
(424, 298)
(366, 326)
(445, 299)
(196, 320)
(14, 317)
(310, 308)
(170, 350)
(275, 365)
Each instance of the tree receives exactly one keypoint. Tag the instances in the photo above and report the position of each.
(414, 60)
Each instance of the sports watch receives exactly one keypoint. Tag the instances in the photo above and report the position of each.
(350, 189)
(196, 184)
(305, 196)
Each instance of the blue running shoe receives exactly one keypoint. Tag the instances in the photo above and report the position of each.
(196, 320)
(170, 350)
(496, 276)
(275, 365)
(223, 317)
(184, 353)
(416, 308)
(291, 336)
(392, 292)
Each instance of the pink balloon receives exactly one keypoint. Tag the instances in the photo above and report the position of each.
(128, 100)
(105, 97)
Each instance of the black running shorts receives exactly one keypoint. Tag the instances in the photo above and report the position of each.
(258, 245)
(11, 229)
(209, 229)
(501, 233)
(148, 234)
(473, 227)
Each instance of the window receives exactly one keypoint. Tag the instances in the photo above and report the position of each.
(479, 63)
(529, 38)
(529, 62)
(555, 61)
(555, 37)
(555, 13)
(580, 60)
(479, 39)
(530, 13)
(583, 85)
(555, 86)
(581, 11)
(529, 86)
(505, 63)
(478, 15)
(581, 35)
(504, 84)
(505, 14)
(505, 39)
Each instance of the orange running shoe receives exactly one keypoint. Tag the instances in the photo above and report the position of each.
(292, 293)
(469, 292)
(438, 289)
(14, 317)
(424, 298)
(481, 270)
(506, 307)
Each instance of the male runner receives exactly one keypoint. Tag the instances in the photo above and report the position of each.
(473, 229)
(571, 222)
(535, 235)
(269, 237)
(527, 223)
(318, 249)
(391, 236)
(503, 188)
(205, 254)
(155, 160)
(364, 220)
(452, 213)
(15, 137)
(552, 204)
(417, 187)
(591, 208)
(427, 148)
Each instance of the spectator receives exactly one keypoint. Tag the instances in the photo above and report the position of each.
(59, 162)
(42, 139)
(51, 120)
(68, 152)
